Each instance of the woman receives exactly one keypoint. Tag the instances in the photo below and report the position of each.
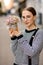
(24, 52)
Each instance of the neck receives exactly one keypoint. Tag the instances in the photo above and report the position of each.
(31, 27)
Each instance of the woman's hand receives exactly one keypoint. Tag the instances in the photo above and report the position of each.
(13, 32)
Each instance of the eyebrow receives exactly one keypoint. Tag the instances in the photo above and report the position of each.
(26, 16)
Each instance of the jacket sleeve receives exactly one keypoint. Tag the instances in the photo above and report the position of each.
(14, 43)
(36, 45)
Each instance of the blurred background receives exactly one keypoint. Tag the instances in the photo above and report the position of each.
(15, 7)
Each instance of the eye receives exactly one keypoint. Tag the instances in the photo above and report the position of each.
(23, 17)
(28, 16)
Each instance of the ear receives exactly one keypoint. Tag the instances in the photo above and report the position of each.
(34, 18)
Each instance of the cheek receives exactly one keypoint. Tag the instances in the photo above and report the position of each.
(31, 20)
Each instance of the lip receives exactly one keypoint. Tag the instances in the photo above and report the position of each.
(26, 22)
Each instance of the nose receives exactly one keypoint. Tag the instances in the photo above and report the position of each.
(25, 19)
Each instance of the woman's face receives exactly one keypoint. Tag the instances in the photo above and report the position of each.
(28, 18)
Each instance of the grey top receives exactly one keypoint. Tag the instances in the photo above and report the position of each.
(21, 48)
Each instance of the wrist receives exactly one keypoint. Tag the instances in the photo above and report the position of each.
(13, 37)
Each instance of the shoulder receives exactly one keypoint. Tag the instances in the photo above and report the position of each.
(39, 33)
(39, 36)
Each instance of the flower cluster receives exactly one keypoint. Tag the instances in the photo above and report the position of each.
(11, 20)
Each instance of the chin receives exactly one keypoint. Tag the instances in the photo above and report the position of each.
(28, 25)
